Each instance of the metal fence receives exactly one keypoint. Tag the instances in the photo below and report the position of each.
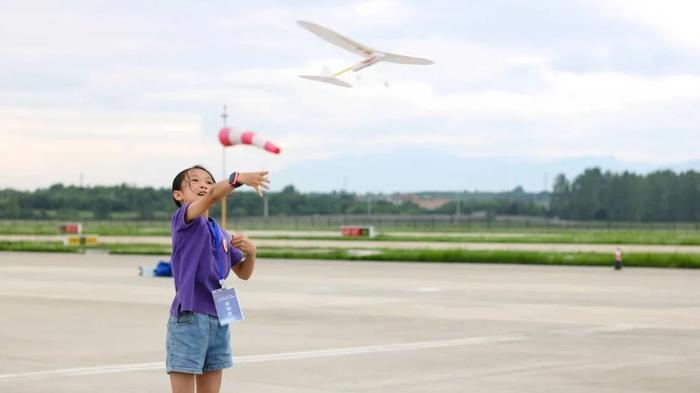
(449, 222)
(444, 222)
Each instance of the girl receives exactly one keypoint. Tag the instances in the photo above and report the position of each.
(198, 348)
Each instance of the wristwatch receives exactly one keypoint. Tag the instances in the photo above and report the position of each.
(233, 180)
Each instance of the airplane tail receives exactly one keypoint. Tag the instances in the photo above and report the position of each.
(326, 79)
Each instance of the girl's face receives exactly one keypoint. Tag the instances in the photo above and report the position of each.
(196, 185)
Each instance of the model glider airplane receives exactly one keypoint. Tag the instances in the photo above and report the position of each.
(371, 56)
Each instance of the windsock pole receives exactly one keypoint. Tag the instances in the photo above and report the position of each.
(231, 137)
(224, 175)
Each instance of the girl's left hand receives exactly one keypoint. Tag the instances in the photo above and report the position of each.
(244, 244)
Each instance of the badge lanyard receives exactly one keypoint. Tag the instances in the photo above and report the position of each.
(225, 300)
(216, 234)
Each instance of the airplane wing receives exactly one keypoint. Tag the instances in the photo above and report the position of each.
(337, 39)
(401, 59)
(327, 79)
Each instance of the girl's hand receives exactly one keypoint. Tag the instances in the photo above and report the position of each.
(257, 180)
(244, 244)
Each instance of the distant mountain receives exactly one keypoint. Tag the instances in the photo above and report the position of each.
(423, 170)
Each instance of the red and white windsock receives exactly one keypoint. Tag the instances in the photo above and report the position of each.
(229, 137)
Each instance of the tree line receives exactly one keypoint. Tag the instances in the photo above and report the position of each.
(147, 203)
(661, 196)
(593, 195)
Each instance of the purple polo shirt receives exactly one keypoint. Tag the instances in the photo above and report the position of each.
(194, 263)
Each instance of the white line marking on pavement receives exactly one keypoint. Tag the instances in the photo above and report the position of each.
(118, 368)
(267, 357)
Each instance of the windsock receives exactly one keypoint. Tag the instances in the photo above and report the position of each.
(229, 137)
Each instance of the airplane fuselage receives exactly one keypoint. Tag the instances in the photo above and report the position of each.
(374, 59)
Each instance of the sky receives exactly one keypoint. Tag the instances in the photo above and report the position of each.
(132, 91)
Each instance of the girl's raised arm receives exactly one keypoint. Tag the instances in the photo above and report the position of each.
(257, 180)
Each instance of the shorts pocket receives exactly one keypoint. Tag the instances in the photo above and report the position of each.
(185, 318)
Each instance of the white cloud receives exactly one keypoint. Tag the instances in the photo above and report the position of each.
(383, 12)
(675, 20)
(56, 144)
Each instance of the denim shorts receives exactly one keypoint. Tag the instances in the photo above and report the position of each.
(196, 344)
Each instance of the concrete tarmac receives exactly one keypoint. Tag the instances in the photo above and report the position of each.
(86, 323)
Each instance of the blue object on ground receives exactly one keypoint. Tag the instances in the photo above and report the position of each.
(163, 269)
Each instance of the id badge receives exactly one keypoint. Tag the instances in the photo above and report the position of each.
(227, 308)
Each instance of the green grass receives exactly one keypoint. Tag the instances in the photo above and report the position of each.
(127, 229)
(684, 236)
(672, 260)
(566, 237)
(571, 237)
(659, 260)
(36, 246)
(105, 228)
(28, 228)
(644, 233)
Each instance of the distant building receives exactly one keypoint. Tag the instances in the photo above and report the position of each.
(427, 203)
